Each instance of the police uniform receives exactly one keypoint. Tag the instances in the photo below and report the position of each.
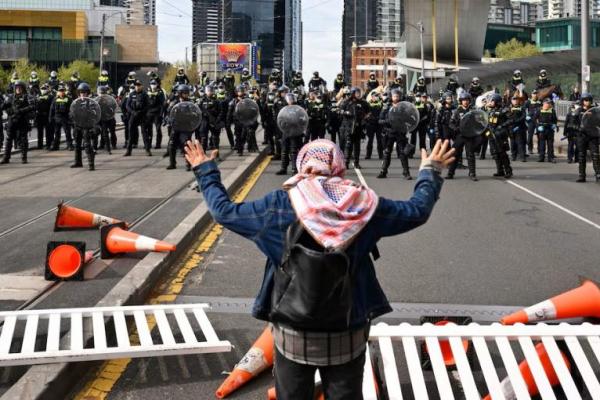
(333, 119)
(339, 83)
(59, 117)
(546, 124)
(470, 144)
(154, 115)
(42, 119)
(177, 139)
(373, 129)
(425, 126)
(585, 142)
(84, 138)
(317, 119)
(571, 129)
(392, 137)
(268, 121)
(531, 109)
(353, 112)
(211, 122)
(518, 131)
(137, 106)
(18, 107)
(498, 139)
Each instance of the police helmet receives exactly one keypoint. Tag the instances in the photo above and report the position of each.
(372, 74)
(587, 96)
(543, 73)
(209, 89)
(547, 100)
(496, 98)
(291, 98)
(103, 89)
(83, 87)
(346, 91)
(138, 83)
(53, 74)
(183, 89)
(45, 86)
(283, 89)
(517, 74)
(464, 96)
(180, 71)
(421, 80)
(153, 82)
(204, 73)
(534, 91)
(396, 92)
(240, 89)
(104, 73)
(61, 88)
(245, 71)
(356, 90)
(475, 81)
(33, 74)
(316, 74)
(20, 83)
(275, 71)
(448, 95)
(452, 79)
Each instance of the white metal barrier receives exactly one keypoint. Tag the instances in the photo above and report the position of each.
(582, 342)
(41, 341)
(562, 109)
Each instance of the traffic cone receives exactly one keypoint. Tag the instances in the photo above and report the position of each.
(72, 218)
(65, 261)
(583, 301)
(255, 361)
(532, 388)
(445, 348)
(272, 395)
(115, 239)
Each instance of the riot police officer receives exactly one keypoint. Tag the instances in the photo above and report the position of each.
(333, 118)
(452, 85)
(420, 86)
(462, 140)
(246, 77)
(398, 83)
(498, 136)
(542, 80)
(137, 106)
(154, 115)
(84, 137)
(239, 130)
(475, 89)
(372, 82)
(178, 139)
(13, 81)
(53, 81)
(275, 77)
(103, 79)
(372, 127)
(154, 77)
(572, 125)
(268, 120)
(393, 136)
(426, 122)
(532, 107)
(211, 119)
(297, 80)
(204, 80)
(339, 83)
(229, 82)
(42, 117)
(517, 79)
(130, 80)
(181, 78)
(316, 82)
(353, 112)
(59, 116)
(518, 130)
(224, 100)
(73, 84)
(17, 106)
(290, 142)
(587, 141)
(278, 104)
(546, 122)
(108, 134)
(317, 117)
(442, 120)
(34, 84)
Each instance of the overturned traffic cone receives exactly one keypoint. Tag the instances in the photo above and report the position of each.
(583, 301)
(446, 349)
(65, 261)
(532, 388)
(255, 361)
(73, 218)
(272, 394)
(115, 239)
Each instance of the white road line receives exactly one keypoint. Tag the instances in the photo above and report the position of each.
(361, 178)
(552, 203)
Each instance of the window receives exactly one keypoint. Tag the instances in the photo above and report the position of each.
(46, 34)
(11, 35)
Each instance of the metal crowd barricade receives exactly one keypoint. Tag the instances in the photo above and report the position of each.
(41, 341)
(582, 342)
(562, 109)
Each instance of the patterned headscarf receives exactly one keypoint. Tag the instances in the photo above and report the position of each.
(332, 209)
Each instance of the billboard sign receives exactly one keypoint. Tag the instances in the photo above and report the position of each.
(234, 56)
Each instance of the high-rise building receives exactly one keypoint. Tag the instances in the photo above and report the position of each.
(359, 25)
(569, 8)
(515, 12)
(390, 20)
(275, 25)
(144, 10)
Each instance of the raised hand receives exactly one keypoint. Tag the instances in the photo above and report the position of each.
(195, 155)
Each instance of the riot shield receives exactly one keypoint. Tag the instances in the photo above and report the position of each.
(108, 106)
(246, 112)
(292, 121)
(185, 117)
(403, 117)
(590, 121)
(473, 123)
(85, 112)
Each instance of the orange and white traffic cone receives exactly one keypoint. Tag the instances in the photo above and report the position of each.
(532, 388)
(255, 361)
(65, 261)
(583, 301)
(73, 218)
(115, 239)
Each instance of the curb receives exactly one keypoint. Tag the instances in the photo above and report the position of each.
(55, 381)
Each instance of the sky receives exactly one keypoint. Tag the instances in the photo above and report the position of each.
(322, 36)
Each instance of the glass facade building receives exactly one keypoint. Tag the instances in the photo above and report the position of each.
(359, 25)
(46, 4)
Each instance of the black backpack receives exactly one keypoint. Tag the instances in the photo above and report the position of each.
(313, 286)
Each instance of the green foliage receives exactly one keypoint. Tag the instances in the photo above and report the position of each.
(191, 71)
(24, 69)
(88, 72)
(515, 49)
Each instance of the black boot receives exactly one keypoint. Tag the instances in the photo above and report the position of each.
(172, 153)
(282, 171)
(5, 161)
(499, 168)
(382, 174)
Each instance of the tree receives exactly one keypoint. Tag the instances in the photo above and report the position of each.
(191, 71)
(23, 68)
(88, 72)
(515, 49)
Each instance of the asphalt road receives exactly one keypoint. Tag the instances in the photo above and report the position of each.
(488, 243)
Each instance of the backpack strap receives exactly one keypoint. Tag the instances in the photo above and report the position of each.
(375, 253)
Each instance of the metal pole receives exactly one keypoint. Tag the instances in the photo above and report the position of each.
(421, 31)
(385, 64)
(456, 33)
(585, 45)
(433, 23)
(102, 42)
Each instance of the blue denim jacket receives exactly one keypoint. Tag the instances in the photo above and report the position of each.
(265, 222)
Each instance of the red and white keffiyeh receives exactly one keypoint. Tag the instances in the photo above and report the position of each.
(332, 209)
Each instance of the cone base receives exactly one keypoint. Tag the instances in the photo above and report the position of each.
(55, 261)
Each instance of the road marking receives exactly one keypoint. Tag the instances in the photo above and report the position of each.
(552, 203)
(361, 178)
(166, 290)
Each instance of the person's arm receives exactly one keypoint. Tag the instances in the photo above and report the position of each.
(247, 218)
(395, 217)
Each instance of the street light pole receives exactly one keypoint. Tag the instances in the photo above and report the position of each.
(421, 31)
(585, 68)
(102, 42)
